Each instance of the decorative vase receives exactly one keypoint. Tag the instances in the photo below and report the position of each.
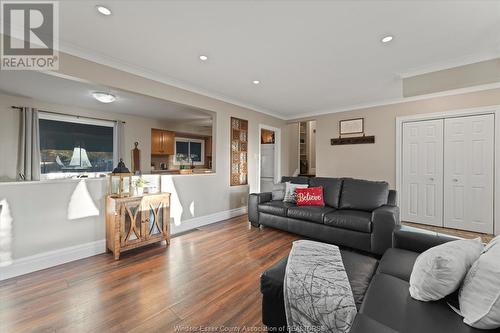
(139, 190)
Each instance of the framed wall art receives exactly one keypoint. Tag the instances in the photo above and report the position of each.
(352, 126)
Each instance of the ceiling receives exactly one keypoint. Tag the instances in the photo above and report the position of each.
(64, 91)
(310, 56)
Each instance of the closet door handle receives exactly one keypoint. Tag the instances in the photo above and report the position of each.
(431, 179)
(455, 180)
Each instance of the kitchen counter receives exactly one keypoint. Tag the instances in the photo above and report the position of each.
(186, 172)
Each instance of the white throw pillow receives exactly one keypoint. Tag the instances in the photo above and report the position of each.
(440, 270)
(479, 296)
(290, 191)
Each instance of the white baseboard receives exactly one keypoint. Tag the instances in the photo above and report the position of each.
(57, 257)
(51, 258)
(197, 222)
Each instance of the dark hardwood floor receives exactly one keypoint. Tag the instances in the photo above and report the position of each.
(208, 277)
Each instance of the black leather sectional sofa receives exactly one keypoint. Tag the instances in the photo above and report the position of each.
(380, 289)
(358, 213)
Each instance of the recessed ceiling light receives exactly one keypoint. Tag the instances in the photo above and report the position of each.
(203, 58)
(103, 10)
(256, 82)
(387, 39)
(104, 97)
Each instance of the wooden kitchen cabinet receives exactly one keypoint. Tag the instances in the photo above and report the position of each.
(162, 142)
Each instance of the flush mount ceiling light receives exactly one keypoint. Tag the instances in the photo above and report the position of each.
(387, 39)
(203, 58)
(104, 97)
(103, 10)
(256, 82)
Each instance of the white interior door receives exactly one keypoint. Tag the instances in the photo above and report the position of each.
(468, 173)
(422, 172)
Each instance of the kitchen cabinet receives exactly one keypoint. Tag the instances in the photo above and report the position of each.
(162, 142)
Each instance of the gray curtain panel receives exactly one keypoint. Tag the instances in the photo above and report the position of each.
(29, 148)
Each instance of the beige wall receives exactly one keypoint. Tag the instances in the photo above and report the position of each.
(378, 161)
(479, 73)
(292, 148)
(311, 150)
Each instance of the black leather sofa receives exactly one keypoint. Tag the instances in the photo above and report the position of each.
(380, 289)
(358, 213)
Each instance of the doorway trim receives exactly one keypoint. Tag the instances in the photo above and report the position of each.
(277, 153)
(492, 109)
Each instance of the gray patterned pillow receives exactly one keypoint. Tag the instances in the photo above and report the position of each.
(279, 191)
(290, 191)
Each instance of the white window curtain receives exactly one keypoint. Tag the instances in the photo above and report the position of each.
(29, 148)
(118, 142)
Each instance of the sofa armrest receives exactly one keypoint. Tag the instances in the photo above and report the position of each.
(418, 240)
(384, 220)
(254, 199)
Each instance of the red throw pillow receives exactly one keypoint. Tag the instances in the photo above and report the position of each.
(311, 196)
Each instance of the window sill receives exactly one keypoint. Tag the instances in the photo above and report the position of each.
(76, 180)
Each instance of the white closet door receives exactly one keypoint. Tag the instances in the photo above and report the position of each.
(468, 181)
(422, 197)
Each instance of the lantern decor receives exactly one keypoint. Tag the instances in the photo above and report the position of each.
(120, 181)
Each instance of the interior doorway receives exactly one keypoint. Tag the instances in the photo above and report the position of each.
(307, 148)
(269, 157)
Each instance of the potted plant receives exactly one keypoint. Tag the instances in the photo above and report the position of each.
(140, 184)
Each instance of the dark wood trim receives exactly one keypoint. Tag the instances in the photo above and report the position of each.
(353, 140)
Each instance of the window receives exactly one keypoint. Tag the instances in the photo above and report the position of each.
(71, 146)
(189, 151)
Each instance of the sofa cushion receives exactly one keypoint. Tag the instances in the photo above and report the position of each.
(388, 301)
(275, 207)
(398, 263)
(350, 219)
(331, 189)
(364, 324)
(311, 196)
(359, 269)
(479, 295)
(295, 180)
(363, 194)
(440, 270)
(309, 213)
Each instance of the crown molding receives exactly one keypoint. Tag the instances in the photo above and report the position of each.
(452, 63)
(396, 101)
(148, 74)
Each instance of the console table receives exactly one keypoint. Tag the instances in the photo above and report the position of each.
(132, 222)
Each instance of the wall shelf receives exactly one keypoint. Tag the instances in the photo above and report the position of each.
(353, 140)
